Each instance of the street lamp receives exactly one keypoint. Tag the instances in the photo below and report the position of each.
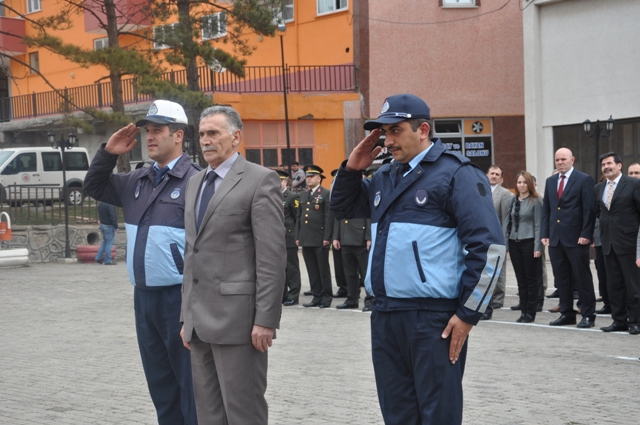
(282, 29)
(63, 145)
(597, 132)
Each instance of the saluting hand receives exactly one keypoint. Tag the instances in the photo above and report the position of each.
(123, 140)
(459, 330)
(363, 155)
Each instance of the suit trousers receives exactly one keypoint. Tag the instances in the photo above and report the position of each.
(229, 383)
(416, 382)
(338, 269)
(316, 258)
(601, 268)
(571, 268)
(528, 271)
(497, 301)
(292, 284)
(166, 362)
(354, 260)
(623, 284)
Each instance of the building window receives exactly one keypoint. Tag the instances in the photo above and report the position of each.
(469, 137)
(214, 26)
(33, 6)
(284, 15)
(460, 3)
(100, 43)
(266, 144)
(34, 63)
(328, 6)
(164, 35)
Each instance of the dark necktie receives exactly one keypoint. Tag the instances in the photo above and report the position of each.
(561, 187)
(160, 173)
(403, 168)
(207, 194)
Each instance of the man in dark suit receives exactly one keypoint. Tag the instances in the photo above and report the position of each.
(291, 205)
(313, 233)
(234, 271)
(567, 228)
(618, 207)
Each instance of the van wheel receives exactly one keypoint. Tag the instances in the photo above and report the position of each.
(75, 196)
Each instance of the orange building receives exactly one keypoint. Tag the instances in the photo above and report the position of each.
(323, 103)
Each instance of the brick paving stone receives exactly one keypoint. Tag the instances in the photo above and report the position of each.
(69, 356)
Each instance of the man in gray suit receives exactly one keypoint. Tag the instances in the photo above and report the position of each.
(234, 272)
(502, 199)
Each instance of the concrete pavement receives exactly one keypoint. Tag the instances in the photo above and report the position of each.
(69, 356)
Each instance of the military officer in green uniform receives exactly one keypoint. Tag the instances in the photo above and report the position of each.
(314, 230)
(291, 205)
(352, 237)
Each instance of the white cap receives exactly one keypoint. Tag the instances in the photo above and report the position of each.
(164, 112)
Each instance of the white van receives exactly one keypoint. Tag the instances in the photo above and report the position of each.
(36, 174)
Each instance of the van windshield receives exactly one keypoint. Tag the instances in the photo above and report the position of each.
(4, 155)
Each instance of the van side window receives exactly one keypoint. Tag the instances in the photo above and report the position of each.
(51, 161)
(23, 163)
(76, 161)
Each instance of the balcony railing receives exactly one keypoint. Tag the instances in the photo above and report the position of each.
(257, 79)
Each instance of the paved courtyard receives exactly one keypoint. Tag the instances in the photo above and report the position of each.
(68, 355)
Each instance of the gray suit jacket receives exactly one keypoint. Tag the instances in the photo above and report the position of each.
(501, 201)
(234, 267)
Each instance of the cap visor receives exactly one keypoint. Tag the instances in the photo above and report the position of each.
(155, 120)
(372, 125)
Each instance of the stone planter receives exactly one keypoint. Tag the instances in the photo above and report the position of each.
(87, 253)
(14, 257)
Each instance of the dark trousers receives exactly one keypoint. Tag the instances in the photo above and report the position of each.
(292, 283)
(317, 261)
(416, 382)
(528, 271)
(571, 267)
(354, 260)
(166, 362)
(601, 268)
(338, 266)
(623, 283)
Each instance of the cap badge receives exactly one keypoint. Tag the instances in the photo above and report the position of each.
(176, 193)
(421, 197)
(137, 194)
(385, 107)
(153, 110)
(376, 200)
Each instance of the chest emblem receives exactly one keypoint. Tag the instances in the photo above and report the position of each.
(421, 197)
(376, 200)
(137, 194)
(176, 193)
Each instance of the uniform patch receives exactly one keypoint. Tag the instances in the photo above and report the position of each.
(481, 190)
(153, 110)
(137, 194)
(376, 200)
(421, 197)
(176, 193)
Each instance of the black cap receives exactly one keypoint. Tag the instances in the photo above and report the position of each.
(283, 174)
(334, 172)
(312, 170)
(399, 108)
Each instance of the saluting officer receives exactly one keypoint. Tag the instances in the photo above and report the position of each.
(291, 205)
(313, 233)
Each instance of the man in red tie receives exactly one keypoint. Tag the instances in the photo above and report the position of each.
(567, 228)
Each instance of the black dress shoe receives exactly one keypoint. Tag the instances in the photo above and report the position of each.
(554, 294)
(604, 310)
(587, 322)
(308, 293)
(290, 302)
(497, 306)
(346, 305)
(575, 295)
(615, 327)
(527, 318)
(516, 307)
(563, 320)
(486, 316)
(367, 307)
(311, 304)
(539, 308)
(325, 305)
(99, 261)
(634, 329)
(599, 300)
(521, 318)
(340, 294)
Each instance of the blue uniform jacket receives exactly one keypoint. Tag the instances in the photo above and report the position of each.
(437, 243)
(154, 218)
